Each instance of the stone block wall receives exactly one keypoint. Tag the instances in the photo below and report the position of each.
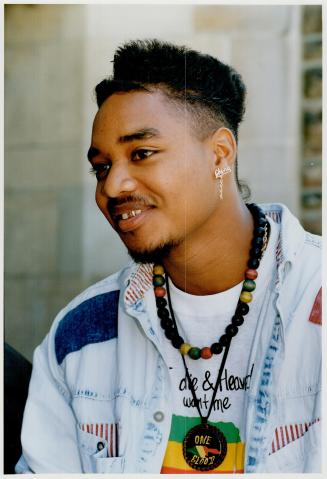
(311, 165)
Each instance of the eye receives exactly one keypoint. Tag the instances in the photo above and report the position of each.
(141, 154)
(100, 171)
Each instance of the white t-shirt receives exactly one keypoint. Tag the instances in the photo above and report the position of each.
(201, 321)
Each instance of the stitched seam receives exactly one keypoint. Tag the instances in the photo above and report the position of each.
(263, 410)
(82, 394)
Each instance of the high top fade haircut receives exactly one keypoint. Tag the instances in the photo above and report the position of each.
(212, 92)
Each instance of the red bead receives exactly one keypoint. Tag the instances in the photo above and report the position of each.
(159, 291)
(206, 353)
(251, 274)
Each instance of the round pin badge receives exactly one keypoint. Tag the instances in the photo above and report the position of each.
(204, 447)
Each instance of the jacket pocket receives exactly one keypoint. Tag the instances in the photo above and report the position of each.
(94, 451)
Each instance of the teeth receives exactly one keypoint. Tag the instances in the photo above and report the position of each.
(130, 214)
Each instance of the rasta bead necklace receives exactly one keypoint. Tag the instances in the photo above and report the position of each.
(205, 446)
(258, 245)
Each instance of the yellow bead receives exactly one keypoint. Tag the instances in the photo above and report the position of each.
(158, 269)
(184, 349)
(246, 297)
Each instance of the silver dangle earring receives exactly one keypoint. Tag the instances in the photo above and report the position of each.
(219, 176)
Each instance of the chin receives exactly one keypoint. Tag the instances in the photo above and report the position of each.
(153, 254)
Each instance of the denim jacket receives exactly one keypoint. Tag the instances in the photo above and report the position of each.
(100, 399)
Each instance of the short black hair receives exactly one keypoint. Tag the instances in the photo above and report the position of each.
(211, 91)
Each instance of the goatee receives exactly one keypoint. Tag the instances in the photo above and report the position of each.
(155, 255)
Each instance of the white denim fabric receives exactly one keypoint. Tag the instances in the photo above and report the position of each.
(91, 375)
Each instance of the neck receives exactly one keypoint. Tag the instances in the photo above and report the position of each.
(214, 258)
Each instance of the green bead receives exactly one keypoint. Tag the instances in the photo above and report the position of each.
(194, 353)
(158, 280)
(249, 285)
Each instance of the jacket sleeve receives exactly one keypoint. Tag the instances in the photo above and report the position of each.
(49, 440)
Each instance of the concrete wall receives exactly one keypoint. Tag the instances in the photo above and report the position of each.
(56, 242)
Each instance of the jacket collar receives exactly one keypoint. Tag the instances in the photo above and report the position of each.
(138, 281)
(292, 234)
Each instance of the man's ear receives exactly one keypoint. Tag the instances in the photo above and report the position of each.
(224, 146)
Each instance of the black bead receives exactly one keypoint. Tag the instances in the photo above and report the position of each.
(242, 308)
(237, 314)
(224, 340)
(251, 206)
(255, 252)
(216, 348)
(259, 231)
(231, 330)
(261, 221)
(163, 313)
(257, 242)
(255, 210)
(161, 302)
(261, 213)
(259, 209)
(177, 341)
(253, 263)
(170, 333)
(259, 217)
(166, 323)
(237, 320)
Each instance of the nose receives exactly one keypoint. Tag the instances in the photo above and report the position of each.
(119, 181)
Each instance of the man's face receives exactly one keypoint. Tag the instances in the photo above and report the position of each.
(155, 180)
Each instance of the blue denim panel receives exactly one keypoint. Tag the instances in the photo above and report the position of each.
(256, 443)
(93, 321)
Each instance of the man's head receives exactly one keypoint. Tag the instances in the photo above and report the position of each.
(166, 117)
(211, 91)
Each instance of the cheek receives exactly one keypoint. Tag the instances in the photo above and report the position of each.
(188, 187)
(199, 194)
(102, 202)
(98, 197)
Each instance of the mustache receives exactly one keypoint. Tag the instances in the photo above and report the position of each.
(123, 200)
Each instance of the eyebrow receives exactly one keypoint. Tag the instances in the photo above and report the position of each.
(142, 134)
